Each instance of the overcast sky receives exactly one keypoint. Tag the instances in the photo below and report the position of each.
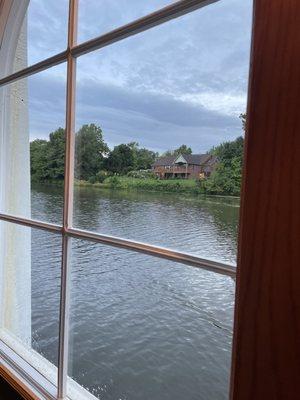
(182, 82)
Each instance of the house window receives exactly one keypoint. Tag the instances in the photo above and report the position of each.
(101, 297)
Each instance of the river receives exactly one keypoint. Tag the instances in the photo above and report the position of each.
(141, 327)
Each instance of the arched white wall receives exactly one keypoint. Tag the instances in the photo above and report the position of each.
(15, 241)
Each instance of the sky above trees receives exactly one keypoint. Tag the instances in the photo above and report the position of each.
(182, 82)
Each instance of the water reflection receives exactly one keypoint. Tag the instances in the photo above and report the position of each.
(141, 327)
(204, 226)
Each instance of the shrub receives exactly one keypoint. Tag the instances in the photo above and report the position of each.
(92, 179)
(114, 181)
(141, 174)
(101, 176)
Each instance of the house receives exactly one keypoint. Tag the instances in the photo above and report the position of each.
(185, 166)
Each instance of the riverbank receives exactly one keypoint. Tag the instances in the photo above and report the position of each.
(180, 186)
(150, 185)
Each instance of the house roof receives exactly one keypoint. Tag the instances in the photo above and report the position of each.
(164, 161)
(195, 159)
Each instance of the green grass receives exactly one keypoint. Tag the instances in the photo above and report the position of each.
(170, 186)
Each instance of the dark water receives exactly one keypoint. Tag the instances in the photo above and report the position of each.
(141, 327)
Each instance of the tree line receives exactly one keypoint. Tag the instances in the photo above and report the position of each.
(92, 155)
(94, 161)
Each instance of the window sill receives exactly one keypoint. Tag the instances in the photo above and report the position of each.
(20, 368)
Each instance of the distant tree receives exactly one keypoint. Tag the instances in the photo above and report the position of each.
(128, 157)
(47, 157)
(121, 159)
(38, 160)
(183, 149)
(56, 155)
(90, 150)
(227, 151)
(145, 158)
(228, 175)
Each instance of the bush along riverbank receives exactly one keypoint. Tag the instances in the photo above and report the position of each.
(182, 186)
(128, 183)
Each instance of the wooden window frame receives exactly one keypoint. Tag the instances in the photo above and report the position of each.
(266, 343)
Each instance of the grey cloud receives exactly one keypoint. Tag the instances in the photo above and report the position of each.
(159, 107)
(47, 104)
(119, 127)
(131, 89)
(47, 28)
(99, 16)
(204, 51)
(156, 121)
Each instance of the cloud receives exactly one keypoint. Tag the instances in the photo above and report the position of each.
(182, 82)
(47, 101)
(157, 106)
(100, 16)
(47, 28)
(158, 121)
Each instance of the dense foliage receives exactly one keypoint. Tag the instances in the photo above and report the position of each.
(183, 149)
(47, 157)
(120, 159)
(90, 150)
(96, 163)
(93, 159)
(129, 157)
(226, 179)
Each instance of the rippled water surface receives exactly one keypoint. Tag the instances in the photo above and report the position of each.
(141, 327)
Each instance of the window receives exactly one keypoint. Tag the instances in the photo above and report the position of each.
(59, 346)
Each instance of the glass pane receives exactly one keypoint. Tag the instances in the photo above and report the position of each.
(97, 17)
(34, 32)
(143, 105)
(30, 263)
(143, 327)
(32, 145)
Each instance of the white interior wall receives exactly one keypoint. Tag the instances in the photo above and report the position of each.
(15, 241)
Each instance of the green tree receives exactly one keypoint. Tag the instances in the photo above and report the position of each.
(47, 158)
(183, 149)
(121, 159)
(38, 160)
(145, 158)
(229, 150)
(226, 179)
(56, 155)
(90, 150)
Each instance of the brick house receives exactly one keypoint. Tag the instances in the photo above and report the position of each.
(185, 166)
